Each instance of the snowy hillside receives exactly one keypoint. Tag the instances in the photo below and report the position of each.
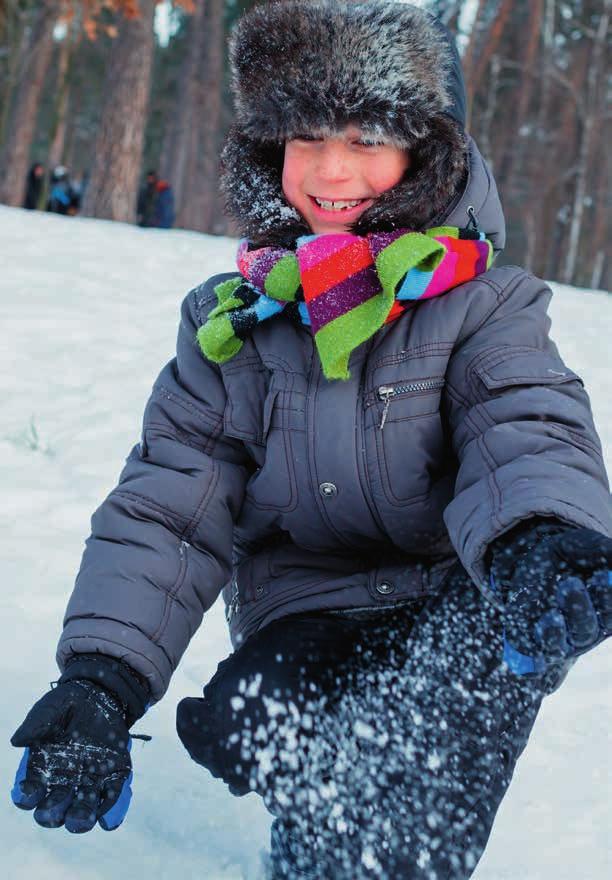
(89, 311)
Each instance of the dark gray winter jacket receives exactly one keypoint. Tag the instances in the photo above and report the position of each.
(290, 492)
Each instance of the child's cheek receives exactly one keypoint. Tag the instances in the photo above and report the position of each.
(290, 179)
(386, 171)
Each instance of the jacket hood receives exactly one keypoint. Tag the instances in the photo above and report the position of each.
(479, 192)
(389, 67)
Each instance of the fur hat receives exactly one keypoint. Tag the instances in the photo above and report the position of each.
(302, 66)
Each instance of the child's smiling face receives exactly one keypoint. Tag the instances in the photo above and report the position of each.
(331, 181)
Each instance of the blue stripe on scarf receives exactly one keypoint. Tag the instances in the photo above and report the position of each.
(266, 308)
(304, 239)
(414, 285)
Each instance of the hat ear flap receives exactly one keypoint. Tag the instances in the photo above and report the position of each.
(437, 176)
(251, 183)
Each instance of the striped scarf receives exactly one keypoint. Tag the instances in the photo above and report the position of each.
(344, 287)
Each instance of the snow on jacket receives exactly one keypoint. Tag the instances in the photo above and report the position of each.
(262, 479)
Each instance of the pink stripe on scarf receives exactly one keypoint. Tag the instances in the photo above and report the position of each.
(445, 273)
(321, 248)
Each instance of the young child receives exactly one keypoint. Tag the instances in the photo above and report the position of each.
(368, 441)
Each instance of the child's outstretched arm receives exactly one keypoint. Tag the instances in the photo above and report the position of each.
(161, 543)
(159, 553)
(521, 425)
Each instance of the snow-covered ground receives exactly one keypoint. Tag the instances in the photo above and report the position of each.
(89, 313)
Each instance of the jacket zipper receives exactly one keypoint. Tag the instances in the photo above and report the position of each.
(386, 393)
(366, 486)
(234, 604)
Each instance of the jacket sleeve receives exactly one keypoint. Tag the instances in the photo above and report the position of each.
(521, 426)
(160, 546)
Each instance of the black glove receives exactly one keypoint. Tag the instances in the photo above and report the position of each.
(76, 768)
(556, 588)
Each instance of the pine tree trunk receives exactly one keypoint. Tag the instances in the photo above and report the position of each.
(561, 166)
(13, 36)
(200, 203)
(513, 164)
(594, 77)
(540, 158)
(35, 60)
(113, 188)
(475, 38)
(491, 47)
(209, 157)
(178, 145)
(600, 187)
(60, 116)
(487, 118)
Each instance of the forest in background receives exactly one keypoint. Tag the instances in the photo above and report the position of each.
(95, 86)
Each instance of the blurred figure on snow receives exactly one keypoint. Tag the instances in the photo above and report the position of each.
(62, 199)
(147, 199)
(78, 185)
(34, 184)
(164, 205)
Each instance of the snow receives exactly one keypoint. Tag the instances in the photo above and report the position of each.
(89, 314)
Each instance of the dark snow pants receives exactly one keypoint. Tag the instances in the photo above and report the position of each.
(384, 748)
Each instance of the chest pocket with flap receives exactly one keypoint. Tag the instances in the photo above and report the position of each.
(261, 411)
(528, 369)
(512, 367)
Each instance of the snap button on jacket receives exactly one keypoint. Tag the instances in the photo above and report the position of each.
(328, 490)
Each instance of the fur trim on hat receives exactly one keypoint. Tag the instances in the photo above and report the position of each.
(301, 67)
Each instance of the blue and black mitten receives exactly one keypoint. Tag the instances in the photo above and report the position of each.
(76, 769)
(554, 585)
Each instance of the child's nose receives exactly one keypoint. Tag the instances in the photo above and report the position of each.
(333, 162)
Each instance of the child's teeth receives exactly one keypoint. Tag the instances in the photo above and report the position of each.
(338, 206)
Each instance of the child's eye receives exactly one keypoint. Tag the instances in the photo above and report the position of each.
(310, 138)
(369, 142)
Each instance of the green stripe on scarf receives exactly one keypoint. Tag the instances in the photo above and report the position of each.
(413, 249)
(338, 339)
(217, 334)
(283, 281)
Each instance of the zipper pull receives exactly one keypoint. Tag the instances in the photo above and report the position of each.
(232, 608)
(473, 225)
(385, 392)
(234, 605)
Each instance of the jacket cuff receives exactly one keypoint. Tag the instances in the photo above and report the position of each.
(481, 514)
(114, 676)
(525, 536)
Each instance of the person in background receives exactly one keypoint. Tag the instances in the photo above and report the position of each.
(61, 197)
(77, 193)
(164, 205)
(147, 200)
(34, 184)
